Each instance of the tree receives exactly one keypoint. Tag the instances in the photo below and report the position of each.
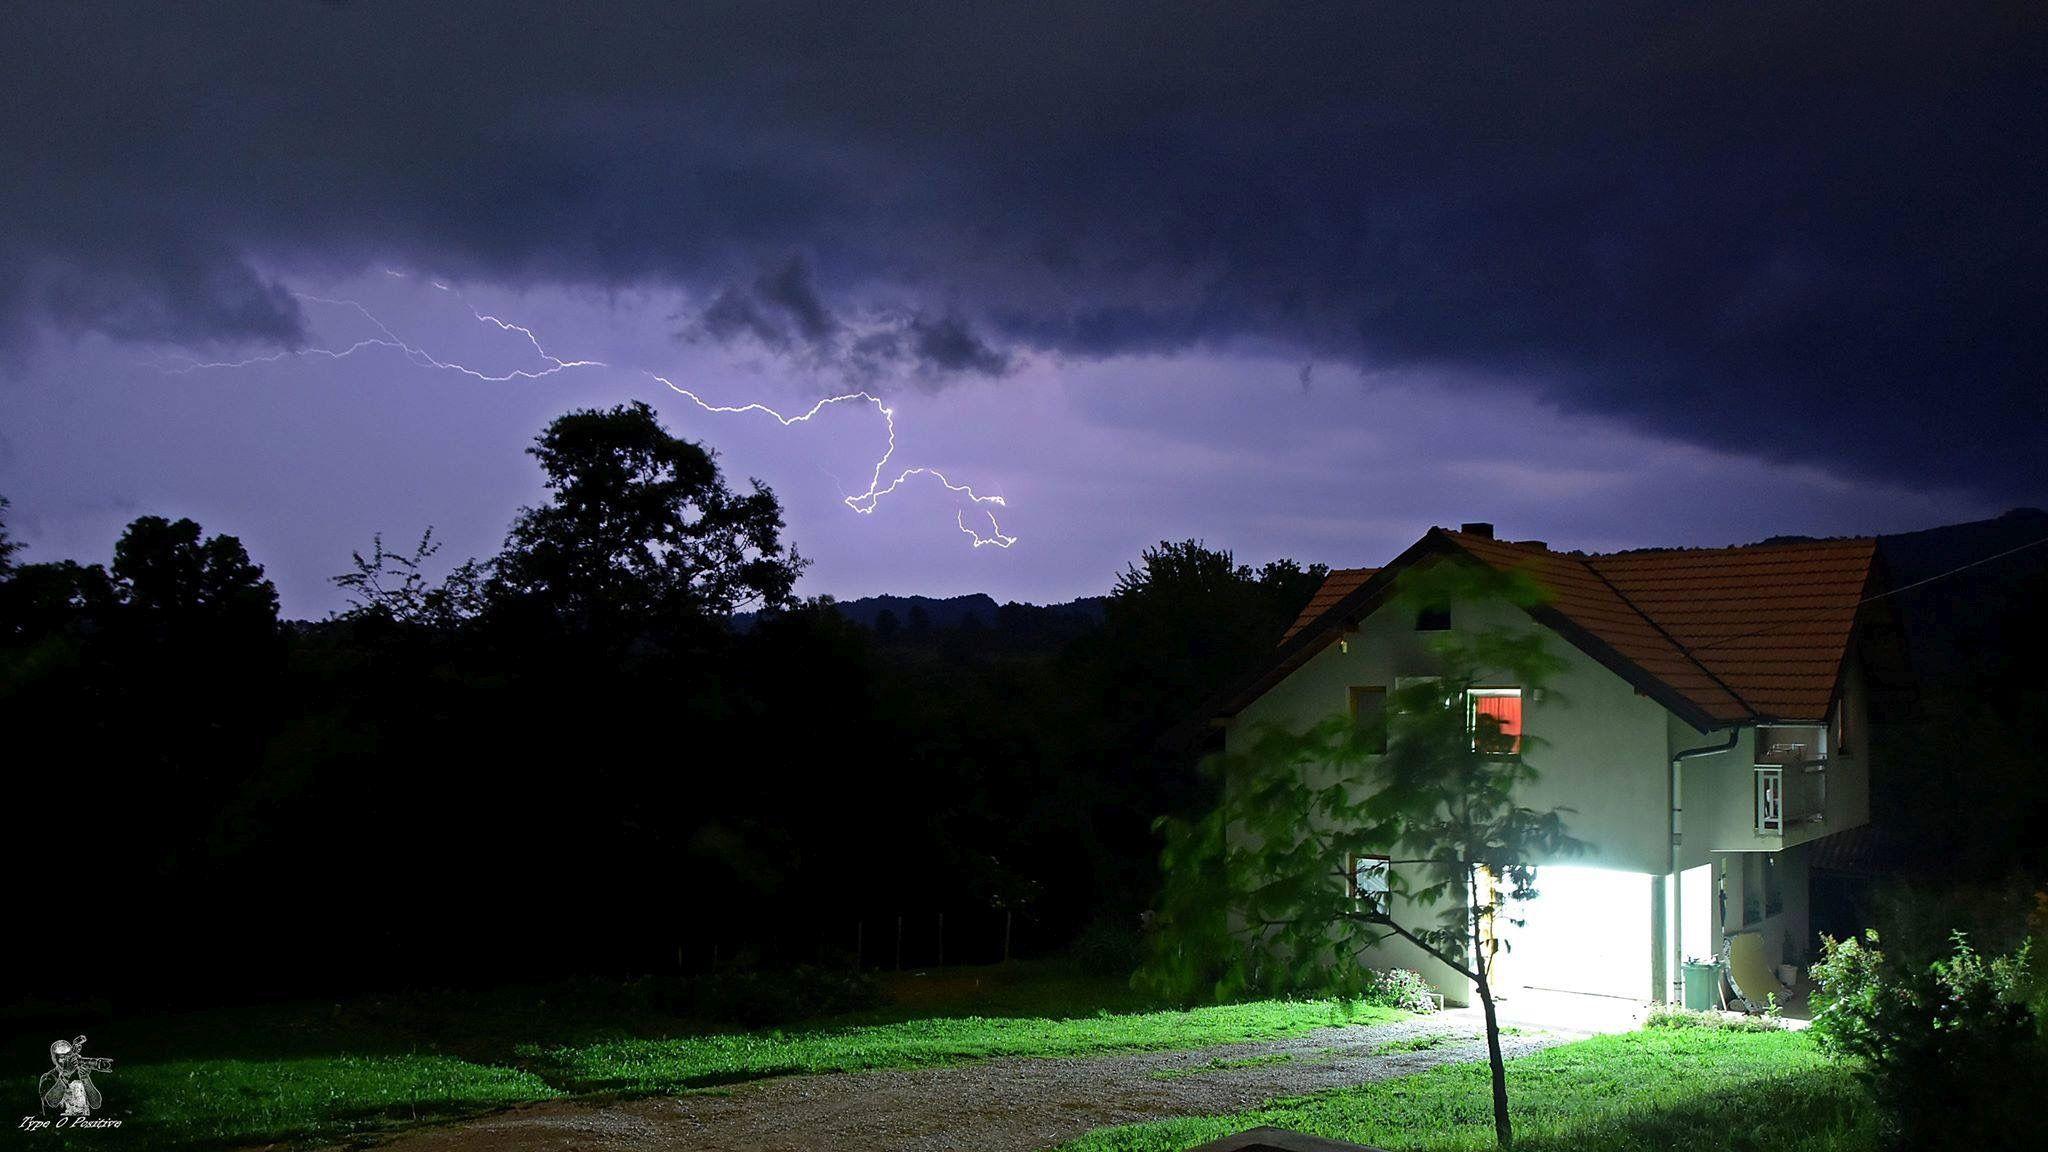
(392, 586)
(169, 577)
(642, 529)
(8, 545)
(1262, 893)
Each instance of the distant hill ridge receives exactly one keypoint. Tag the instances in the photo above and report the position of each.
(949, 612)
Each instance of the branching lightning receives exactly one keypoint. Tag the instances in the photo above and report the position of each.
(862, 502)
(391, 340)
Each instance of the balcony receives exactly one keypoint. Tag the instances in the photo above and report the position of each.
(1790, 796)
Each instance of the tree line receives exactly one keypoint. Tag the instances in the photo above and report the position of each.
(565, 759)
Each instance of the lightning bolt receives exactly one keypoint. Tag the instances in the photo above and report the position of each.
(861, 502)
(864, 502)
(390, 339)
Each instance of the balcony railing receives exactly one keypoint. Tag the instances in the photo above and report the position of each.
(1789, 795)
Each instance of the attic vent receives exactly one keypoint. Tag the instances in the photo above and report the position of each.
(1478, 528)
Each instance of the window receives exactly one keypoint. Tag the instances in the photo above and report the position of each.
(1433, 619)
(1495, 718)
(1366, 880)
(1369, 711)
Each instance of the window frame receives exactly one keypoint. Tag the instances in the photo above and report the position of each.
(1472, 696)
(1354, 871)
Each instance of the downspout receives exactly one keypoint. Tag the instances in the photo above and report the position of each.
(1678, 836)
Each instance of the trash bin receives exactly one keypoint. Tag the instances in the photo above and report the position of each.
(1700, 978)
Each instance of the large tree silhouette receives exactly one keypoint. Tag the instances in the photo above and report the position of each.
(641, 528)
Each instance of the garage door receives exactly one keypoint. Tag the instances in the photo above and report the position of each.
(1588, 932)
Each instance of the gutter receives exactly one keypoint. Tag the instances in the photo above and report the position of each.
(1677, 889)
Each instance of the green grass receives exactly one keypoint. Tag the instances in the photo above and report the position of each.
(328, 1072)
(654, 1065)
(1224, 1065)
(219, 1103)
(1427, 1042)
(1686, 1090)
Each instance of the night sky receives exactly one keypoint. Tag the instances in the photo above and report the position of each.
(1300, 279)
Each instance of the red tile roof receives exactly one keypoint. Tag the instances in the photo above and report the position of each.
(1338, 584)
(1722, 635)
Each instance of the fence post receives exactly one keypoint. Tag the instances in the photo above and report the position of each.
(942, 940)
(899, 941)
(860, 934)
(1007, 917)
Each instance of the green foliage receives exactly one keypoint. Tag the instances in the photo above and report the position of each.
(1256, 900)
(1254, 896)
(325, 1071)
(206, 1104)
(1400, 988)
(1671, 1016)
(1219, 1064)
(656, 1065)
(1669, 1091)
(1950, 1049)
(1427, 1042)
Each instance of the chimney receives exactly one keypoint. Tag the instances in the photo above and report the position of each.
(1479, 528)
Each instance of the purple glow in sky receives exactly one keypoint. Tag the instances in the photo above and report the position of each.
(1297, 281)
(305, 456)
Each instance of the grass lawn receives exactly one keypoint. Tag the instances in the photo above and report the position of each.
(1688, 1090)
(327, 1072)
(654, 1065)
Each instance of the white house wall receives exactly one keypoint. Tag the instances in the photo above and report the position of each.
(1603, 752)
(1603, 748)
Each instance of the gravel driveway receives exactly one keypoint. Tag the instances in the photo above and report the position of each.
(995, 1106)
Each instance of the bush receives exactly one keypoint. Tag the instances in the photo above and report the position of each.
(1671, 1016)
(754, 999)
(1400, 988)
(1948, 1049)
(1108, 947)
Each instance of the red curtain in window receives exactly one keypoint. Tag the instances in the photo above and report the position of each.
(1507, 710)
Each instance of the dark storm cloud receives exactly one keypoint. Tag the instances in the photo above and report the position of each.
(780, 310)
(1810, 233)
(945, 343)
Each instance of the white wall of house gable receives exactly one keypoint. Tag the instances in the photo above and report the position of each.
(1605, 750)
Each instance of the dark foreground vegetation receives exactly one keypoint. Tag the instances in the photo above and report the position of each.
(563, 760)
(589, 815)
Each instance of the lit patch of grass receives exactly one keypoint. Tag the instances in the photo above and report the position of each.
(1426, 1042)
(655, 1065)
(1687, 1090)
(1223, 1065)
(331, 1072)
(223, 1103)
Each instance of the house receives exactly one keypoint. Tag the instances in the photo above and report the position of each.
(1707, 732)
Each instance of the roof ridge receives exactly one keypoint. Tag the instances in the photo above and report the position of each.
(1674, 641)
(1759, 546)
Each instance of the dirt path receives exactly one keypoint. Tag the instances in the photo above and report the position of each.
(997, 1106)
